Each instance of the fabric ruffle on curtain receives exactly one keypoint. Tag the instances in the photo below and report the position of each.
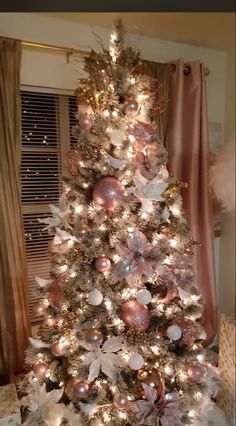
(14, 319)
(183, 129)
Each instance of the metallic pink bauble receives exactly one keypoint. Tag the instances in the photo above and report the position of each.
(85, 122)
(190, 330)
(39, 369)
(142, 132)
(121, 402)
(81, 231)
(56, 297)
(196, 372)
(80, 389)
(107, 192)
(93, 336)
(103, 264)
(132, 106)
(134, 314)
(58, 348)
(38, 310)
(72, 159)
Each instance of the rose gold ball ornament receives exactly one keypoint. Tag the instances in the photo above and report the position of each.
(39, 369)
(107, 192)
(80, 389)
(85, 121)
(38, 310)
(103, 264)
(142, 132)
(81, 231)
(121, 402)
(134, 314)
(132, 106)
(72, 159)
(196, 372)
(93, 336)
(58, 348)
(56, 297)
(190, 330)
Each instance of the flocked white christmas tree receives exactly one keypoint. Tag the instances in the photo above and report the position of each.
(121, 340)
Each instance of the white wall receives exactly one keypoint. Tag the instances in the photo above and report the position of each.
(227, 246)
(48, 69)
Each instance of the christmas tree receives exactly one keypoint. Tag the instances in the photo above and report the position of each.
(121, 342)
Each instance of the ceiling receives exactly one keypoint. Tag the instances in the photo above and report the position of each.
(213, 30)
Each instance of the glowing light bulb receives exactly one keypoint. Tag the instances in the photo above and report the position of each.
(173, 243)
(168, 370)
(78, 209)
(131, 138)
(106, 113)
(191, 413)
(175, 210)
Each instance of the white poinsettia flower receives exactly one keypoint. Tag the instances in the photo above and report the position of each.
(38, 398)
(104, 359)
(148, 191)
(41, 282)
(38, 344)
(59, 217)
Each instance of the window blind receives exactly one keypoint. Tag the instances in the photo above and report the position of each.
(47, 120)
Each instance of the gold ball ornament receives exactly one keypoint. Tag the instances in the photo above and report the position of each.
(151, 377)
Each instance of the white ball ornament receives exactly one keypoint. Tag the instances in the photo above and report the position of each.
(117, 137)
(144, 297)
(95, 297)
(136, 361)
(174, 332)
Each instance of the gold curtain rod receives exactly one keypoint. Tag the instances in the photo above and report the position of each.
(60, 49)
(71, 51)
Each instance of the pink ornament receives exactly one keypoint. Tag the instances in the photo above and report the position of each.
(85, 122)
(93, 336)
(39, 369)
(134, 314)
(58, 348)
(71, 161)
(81, 231)
(190, 330)
(80, 389)
(38, 310)
(196, 372)
(107, 192)
(103, 264)
(132, 106)
(121, 402)
(56, 297)
(142, 132)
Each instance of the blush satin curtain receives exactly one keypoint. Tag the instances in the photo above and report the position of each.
(14, 319)
(187, 146)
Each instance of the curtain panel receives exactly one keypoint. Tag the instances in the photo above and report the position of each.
(183, 129)
(14, 319)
